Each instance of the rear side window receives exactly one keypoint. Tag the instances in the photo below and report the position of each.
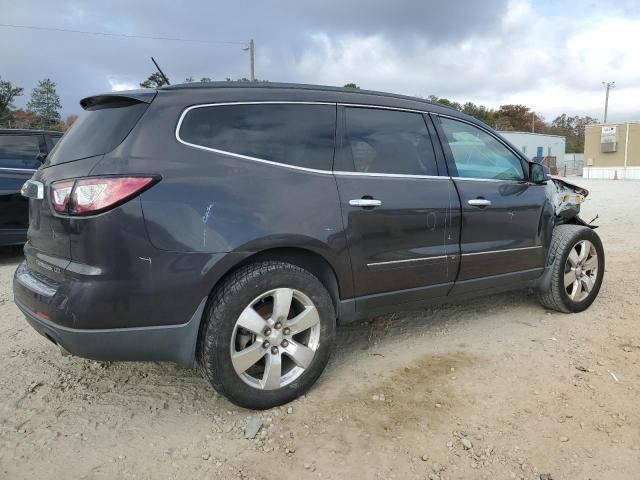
(477, 154)
(98, 130)
(19, 151)
(389, 141)
(298, 135)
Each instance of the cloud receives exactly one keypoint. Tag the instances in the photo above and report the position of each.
(492, 52)
(119, 85)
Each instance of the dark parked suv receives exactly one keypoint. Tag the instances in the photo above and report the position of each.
(21, 154)
(234, 226)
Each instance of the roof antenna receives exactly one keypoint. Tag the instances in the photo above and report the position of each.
(160, 71)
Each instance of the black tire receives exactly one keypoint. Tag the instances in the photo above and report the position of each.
(554, 295)
(223, 310)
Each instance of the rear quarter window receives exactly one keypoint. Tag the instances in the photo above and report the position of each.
(297, 135)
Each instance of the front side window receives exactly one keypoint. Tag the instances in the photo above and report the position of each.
(477, 154)
(293, 134)
(19, 151)
(389, 141)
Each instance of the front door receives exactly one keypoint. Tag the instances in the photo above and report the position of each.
(400, 215)
(502, 232)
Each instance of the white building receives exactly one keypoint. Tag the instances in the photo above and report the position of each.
(538, 144)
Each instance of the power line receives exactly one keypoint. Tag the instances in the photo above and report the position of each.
(124, 35)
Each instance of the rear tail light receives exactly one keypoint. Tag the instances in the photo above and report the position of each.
(60, 194)
(85, 196)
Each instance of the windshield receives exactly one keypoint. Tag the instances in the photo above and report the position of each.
(98, 130)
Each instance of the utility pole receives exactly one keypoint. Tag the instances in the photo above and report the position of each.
(608, 86)
(533, 120)
(252, 54)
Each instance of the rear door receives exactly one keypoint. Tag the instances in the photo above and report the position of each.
(399, 211)
(20, 156)
(501, 238)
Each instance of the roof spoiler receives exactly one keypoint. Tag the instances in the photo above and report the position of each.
(130, 96)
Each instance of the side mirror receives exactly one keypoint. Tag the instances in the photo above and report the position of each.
(41, 157)
(537, 173)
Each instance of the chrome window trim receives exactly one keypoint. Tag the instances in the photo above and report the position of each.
(467, 179)
(247, 157)
(259, 160)
(332, 172)
(18, 170)
(502, 251)
(295, 167)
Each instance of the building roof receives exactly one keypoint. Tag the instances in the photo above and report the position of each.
(532, 133)
(610, 124)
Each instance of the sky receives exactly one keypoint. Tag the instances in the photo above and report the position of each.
(549, 55)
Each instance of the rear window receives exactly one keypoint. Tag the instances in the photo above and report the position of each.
(19, 151)
(97, 131)
(293, 134)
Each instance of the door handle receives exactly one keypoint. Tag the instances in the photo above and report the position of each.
(479, 202)
(365, 202)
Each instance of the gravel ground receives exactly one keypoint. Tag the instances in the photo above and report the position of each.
(497, 388)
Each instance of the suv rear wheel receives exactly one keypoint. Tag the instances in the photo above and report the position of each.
(577, 270)
(269, 332)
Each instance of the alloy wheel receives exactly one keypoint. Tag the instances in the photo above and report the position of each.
(275, 339)
(581, 270)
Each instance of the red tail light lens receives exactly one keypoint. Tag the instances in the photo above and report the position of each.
(85, 196)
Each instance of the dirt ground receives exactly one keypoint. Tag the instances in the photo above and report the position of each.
(497, 388)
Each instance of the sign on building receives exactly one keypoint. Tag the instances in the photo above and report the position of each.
(609, 139)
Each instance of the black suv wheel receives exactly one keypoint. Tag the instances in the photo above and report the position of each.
(577, 270)
(268, 335)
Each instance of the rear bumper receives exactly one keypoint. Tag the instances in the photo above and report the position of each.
(171, 343)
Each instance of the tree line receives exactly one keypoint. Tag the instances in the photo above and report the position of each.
(520, 118)
(43, 108)
(43, 111)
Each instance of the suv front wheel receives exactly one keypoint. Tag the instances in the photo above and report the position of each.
(576, 271)
(268, 335)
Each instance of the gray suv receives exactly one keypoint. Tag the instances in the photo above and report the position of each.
(233, 227)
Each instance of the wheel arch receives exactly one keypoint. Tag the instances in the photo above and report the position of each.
(312, 261)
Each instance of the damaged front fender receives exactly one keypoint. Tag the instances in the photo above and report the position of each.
(566, 199)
